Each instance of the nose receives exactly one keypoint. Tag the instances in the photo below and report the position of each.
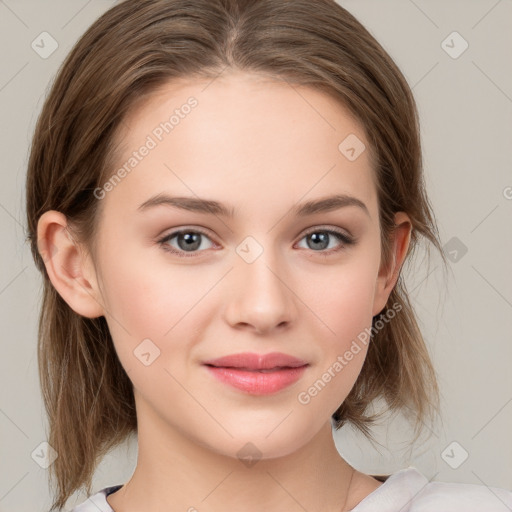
(260, 296)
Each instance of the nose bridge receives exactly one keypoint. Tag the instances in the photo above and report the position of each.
(262, 298)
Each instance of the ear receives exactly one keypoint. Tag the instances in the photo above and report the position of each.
(388, 275)
(69, 268)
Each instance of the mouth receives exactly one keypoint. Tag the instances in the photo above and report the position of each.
(258, 370)
(254, 381)
(250, 361)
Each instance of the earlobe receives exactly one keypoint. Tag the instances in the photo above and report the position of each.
(388, 275)
(69, 269)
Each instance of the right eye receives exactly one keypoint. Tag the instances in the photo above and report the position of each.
(187, 240)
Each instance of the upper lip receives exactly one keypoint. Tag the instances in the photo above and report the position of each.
(252, 361)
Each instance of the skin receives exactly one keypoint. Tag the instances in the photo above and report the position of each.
(259, 146)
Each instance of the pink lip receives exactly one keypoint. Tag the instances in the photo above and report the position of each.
(257, 374)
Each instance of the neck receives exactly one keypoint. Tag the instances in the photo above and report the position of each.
(175, 473)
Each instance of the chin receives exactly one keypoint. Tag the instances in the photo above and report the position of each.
(261, 441)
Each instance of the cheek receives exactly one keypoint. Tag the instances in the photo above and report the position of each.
(341, 296)
(346, 311)
(342, 301)
(351, 306)
(147, 298)
(146, 293)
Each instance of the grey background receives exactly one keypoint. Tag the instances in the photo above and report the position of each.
(465, 105)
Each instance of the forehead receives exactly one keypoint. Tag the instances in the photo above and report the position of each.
(243, 139)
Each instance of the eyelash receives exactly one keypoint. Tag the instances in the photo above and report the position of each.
(342, 237)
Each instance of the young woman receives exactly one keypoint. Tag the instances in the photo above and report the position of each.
(221, 195)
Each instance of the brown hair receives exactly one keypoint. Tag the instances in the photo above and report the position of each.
(130, 51)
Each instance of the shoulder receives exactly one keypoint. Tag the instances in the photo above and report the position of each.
(408, 490)
(97, 502)
(461, 497)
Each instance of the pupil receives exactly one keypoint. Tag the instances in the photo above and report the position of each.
(191, 239)
(320, 238)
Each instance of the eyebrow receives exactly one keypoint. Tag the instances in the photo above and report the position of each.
(325, 204)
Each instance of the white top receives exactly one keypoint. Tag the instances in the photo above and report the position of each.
(406, 490)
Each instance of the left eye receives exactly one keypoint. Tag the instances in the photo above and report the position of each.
(320, 237)
(189, 241)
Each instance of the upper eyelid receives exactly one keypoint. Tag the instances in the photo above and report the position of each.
(205, 231)
(327, 228)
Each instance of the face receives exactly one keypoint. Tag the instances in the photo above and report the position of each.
(180, 286)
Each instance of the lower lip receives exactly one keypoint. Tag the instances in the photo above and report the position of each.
(258, 383)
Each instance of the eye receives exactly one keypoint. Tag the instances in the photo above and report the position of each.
(319, 240)
(187, 240)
